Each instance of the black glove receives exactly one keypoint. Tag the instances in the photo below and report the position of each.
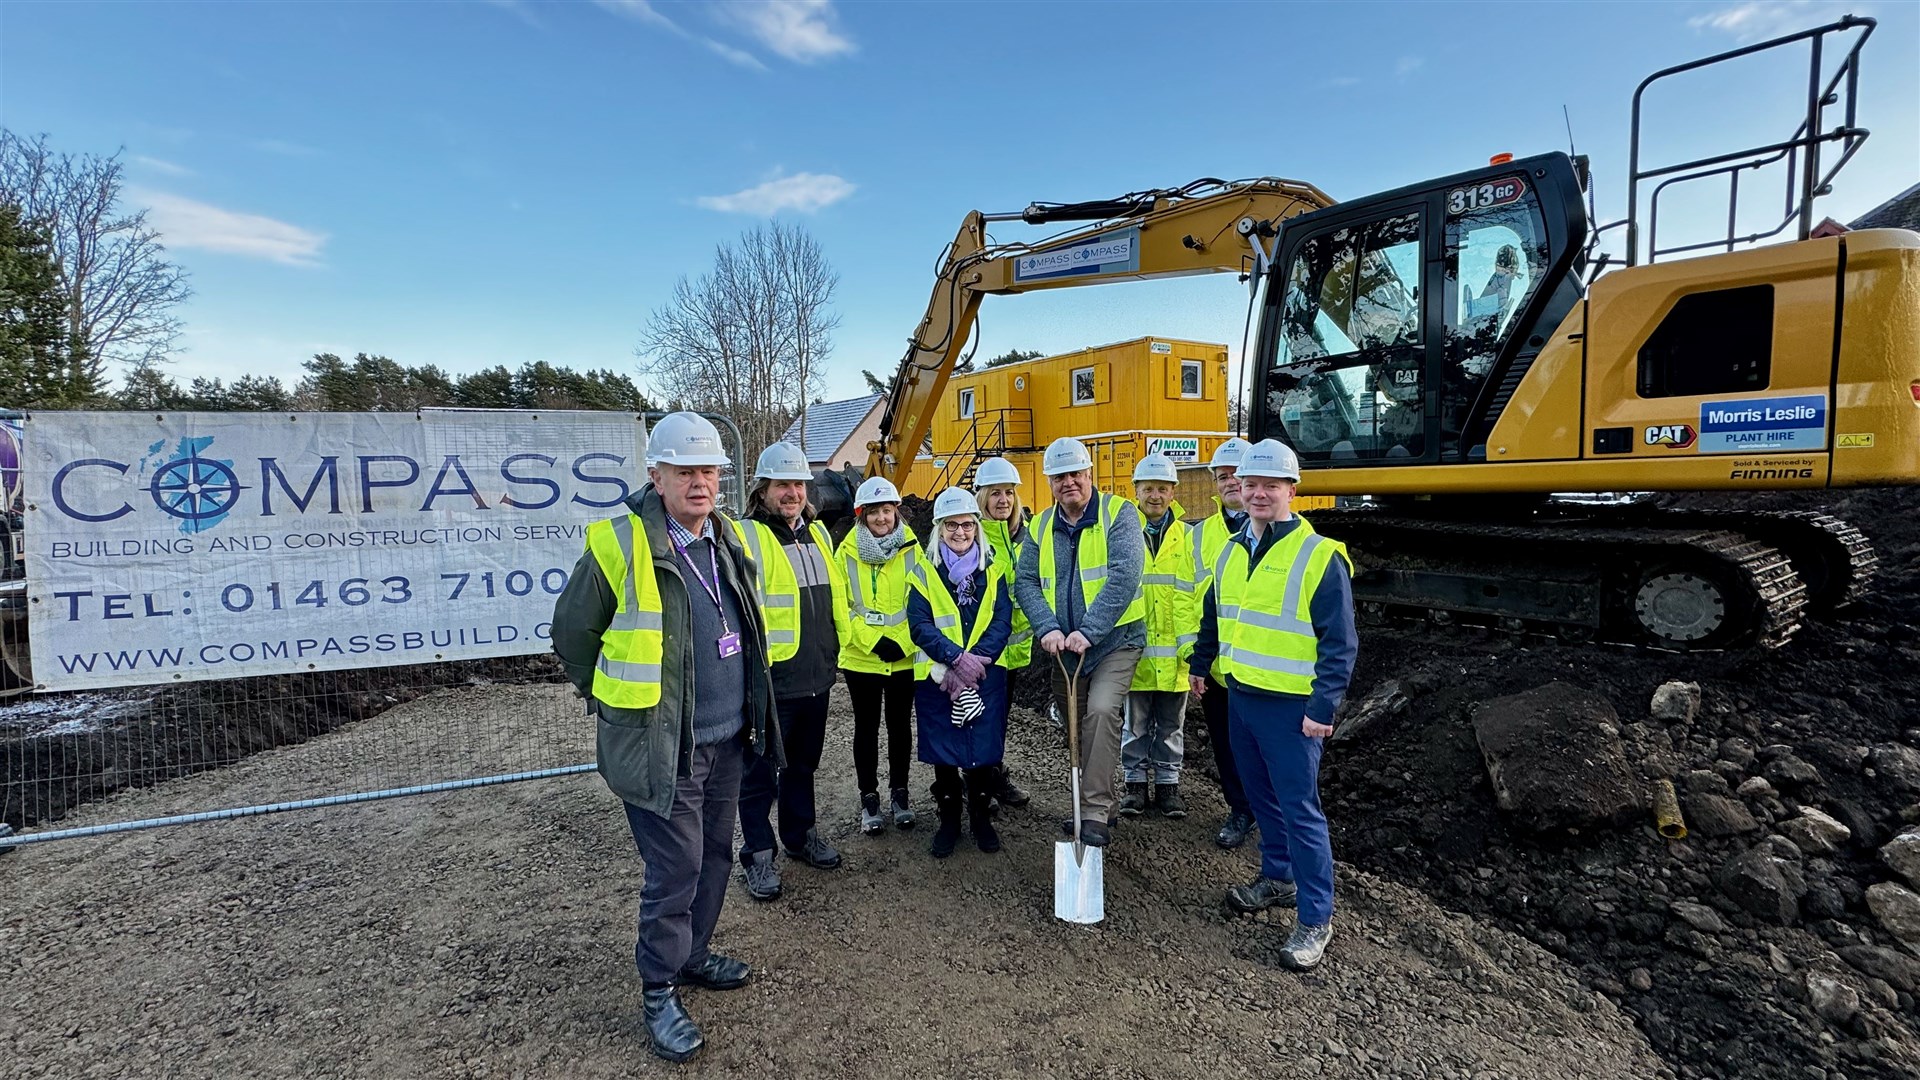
(889, 650)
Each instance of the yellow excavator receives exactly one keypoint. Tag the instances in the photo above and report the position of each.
(1453, 352)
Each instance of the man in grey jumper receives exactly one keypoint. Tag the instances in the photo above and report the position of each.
(1095, 546)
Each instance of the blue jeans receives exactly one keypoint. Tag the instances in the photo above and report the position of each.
(1281, 770)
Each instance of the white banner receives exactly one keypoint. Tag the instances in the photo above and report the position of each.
(217, 545)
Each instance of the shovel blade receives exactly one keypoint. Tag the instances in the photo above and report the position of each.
(1079, 888)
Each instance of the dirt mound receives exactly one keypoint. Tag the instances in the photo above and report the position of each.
(1660, 926)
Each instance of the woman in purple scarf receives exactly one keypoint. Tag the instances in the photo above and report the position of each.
(960, 613)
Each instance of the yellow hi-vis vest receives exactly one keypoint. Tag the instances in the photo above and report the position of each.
(778, 587)
(1265, 618)
(876, 606)
(1019, 650)
(627, 675)
(1092, 559)
(925, 580)
(1173, 610)
(1210, 539)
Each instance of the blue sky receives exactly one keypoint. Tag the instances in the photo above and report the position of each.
(473, 183)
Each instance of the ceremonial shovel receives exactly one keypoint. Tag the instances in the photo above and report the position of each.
(1078, 890)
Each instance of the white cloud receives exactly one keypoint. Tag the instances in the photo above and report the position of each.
(1408, 65)
(1757, 20)
(186, 223)
(735, 56)
(1342, 81)
(800, 30)
(167, 168)
(284, 148)
(804, 192)
(519, 9)
(641, 11)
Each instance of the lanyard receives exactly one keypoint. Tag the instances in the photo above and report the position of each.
(712, 590)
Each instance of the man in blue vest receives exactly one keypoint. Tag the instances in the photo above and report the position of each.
(658, 627)
(1278, 615)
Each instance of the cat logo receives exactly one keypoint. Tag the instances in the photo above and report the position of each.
(1678, 436)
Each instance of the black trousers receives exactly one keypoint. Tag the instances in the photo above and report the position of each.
(870, 692)
(980, 783)
(1213, 705)
(803, 730)
(689, 857)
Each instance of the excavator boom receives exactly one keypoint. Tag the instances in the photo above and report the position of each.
(1208, 226)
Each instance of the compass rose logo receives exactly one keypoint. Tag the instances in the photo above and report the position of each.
(199, 490)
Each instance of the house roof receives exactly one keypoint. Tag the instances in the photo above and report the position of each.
(1900, 212)
(829, 423)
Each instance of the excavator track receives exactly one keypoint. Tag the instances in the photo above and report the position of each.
(1578, 575)
(1835, 560)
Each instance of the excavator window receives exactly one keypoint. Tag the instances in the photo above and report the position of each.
(1349, 379)
(1495, 257)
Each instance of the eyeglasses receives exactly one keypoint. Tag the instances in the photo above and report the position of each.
(959, 526)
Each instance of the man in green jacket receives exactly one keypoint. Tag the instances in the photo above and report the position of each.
(659, 629)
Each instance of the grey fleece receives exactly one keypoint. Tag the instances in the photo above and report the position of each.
(1126, 562)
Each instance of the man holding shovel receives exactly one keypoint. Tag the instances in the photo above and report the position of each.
(1079, 584)
(1278, 614)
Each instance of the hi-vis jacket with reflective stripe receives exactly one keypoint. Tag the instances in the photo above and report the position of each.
(876, 605)
(1209, 540)
(779, 586)
(1092, 559)
(1267, 641)
(1173, 609)
(603, 634)
(1019, 651)
(924, 579)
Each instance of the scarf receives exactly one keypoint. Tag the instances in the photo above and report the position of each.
(879, 550)
(960, 570)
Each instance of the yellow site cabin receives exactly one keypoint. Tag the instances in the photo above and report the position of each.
(1124, 401)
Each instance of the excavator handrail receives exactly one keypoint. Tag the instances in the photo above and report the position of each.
(1166, 232)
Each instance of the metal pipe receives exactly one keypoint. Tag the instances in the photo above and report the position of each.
(19, 839)
(1666, 811)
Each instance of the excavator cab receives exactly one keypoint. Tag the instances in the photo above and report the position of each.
(1395, 321)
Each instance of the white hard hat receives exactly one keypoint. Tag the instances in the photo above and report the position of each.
(1271, 457)
(875, 490)
(684, 438)
(1156, 467)
(995, 470)
(955, 502)
(1065, 455)
(782, 461)
(1229, 453)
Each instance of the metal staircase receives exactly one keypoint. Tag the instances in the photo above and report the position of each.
(993, 432)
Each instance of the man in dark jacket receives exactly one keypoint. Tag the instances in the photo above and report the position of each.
(658, 627)
(806, 609)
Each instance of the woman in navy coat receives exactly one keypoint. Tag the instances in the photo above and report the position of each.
(960, 614)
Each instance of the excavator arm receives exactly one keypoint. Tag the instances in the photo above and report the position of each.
(1208, 226)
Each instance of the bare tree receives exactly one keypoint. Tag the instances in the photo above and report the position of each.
(119, 289)
(749, 338)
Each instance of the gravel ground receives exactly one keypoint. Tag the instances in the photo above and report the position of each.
(489, 933)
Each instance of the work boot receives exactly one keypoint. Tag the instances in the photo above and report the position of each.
(675, 1036)
(1095, 833)
(716, 972)
(1134, 802)
(1010, 793)
(872, 822)
(816, 852)
(947, 837)
(1260, 894)
(980, 810)
(902, 813)
(763, 879)
(1167, 800)
(1234, 833)
(1306, 946)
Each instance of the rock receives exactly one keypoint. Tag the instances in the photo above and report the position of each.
(1867, 833)
(1555, 758)
(1737, 750)
(1897, 968)
(1898, 765)
(1699, 916)
(1778, 961)
(1705, 782)
(1676, 702)
(1902, 854)
(1640, 979)
(1835, 1001)
(1717, 815)
(1754, 787)
(1815, 833)
(1763, 884)
(1386, 701)
(1823, 901)
(1838, 756)
(1898, 909)
(1789, 773)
